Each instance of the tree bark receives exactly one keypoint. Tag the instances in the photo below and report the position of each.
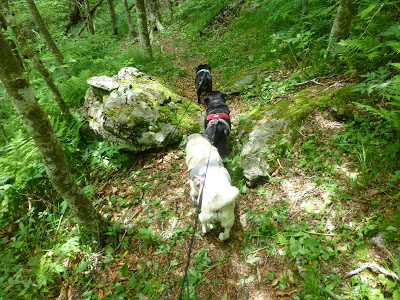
(74, 15)
(89, 21)
(3, 133)
(169, 5)
(154, 15)
(35, 59)
(113, 17)
(143, 30)
(4, 26)
(132, 30)
(37, 18)
(341, 26)
(39, 127)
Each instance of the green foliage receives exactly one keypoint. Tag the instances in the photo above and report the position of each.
(103, 156)
(41, 248)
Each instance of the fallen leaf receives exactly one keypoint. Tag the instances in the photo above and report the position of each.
(101, 295)
(63, 294)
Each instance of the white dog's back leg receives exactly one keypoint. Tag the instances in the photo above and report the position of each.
(227, 222)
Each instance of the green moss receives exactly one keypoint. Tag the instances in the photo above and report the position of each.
(362, 253)
(391, 225)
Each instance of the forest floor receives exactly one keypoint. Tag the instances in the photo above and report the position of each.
(245, 266)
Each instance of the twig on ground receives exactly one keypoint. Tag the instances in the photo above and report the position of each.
(307, 81)
(374, 267)
(174, 223)
(333, 85)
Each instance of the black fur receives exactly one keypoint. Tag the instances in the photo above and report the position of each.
(217, 133)
(203, 81)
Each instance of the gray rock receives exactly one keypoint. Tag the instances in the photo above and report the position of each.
(264, 134)
(379, 239)
(341, 113)
(130, 109)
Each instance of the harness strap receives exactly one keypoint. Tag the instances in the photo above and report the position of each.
(215, 122)
(217, 116)
(203, 70)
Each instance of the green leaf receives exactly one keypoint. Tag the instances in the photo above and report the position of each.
(82, 266)
(216, 281)
(396, 294)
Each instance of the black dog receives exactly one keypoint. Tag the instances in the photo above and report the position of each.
(203, 80)
(217, 124)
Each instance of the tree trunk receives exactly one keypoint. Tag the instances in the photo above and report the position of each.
(39, 127)
(13, 46)
(89, 21)
(143, 31)
(44, 31)
(113, 17)
(132, 30)
(34, 58)
(74, 15)
(154, 15)
(169, 5)
(304, 7)
(3, 133)
(341, 26)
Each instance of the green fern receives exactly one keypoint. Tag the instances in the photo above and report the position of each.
(365, 44)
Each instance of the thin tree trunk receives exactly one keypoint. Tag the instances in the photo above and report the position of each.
(113, 17)
(142, 28)
(35, 59)
(51, 151)
(44, 31)
(4, 25)
(89, 21)
(3, 133)
(92, 10)
(154, 15)
(304, 7)
(341, 26)
(132, 30)
(74, 15)
(169, 5)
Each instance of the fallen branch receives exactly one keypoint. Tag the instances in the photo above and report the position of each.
(374, 267)
(307, 81)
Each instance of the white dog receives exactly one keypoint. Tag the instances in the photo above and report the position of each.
(206, 169)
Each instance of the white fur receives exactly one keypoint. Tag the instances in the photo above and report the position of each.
(218, 195)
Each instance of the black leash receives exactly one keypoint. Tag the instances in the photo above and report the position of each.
(198, 211)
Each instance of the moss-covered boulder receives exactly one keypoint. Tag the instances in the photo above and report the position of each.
(266, 132)
(138, 112)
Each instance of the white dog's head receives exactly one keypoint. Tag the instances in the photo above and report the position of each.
(199, 150)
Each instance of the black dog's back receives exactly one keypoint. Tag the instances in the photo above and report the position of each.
(217, 124)
(217, 134)
(203, 80)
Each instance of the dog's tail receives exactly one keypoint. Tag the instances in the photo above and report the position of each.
(225, 198)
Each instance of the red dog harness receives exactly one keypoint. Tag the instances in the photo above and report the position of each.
(217, 116)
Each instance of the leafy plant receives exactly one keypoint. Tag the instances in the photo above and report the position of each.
(103, 155)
